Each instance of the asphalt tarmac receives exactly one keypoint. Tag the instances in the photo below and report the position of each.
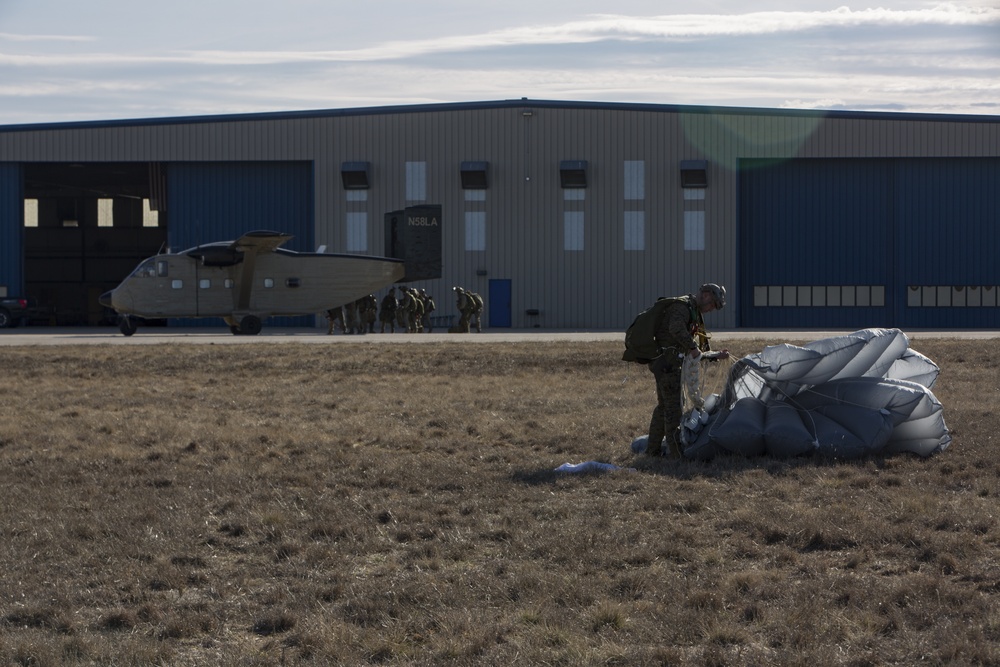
(49, 336)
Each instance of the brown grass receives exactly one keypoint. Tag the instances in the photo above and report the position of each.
(397, 505)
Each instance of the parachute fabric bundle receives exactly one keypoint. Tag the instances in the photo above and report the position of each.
(844, 397)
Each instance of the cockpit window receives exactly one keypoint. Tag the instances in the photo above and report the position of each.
(145, 270)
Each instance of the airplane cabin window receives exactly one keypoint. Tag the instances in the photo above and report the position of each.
(177, 284)
(268, 282)
(228, 284)
(204, 283)
(161, 268)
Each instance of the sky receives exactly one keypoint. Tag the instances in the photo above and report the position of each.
(65, 60)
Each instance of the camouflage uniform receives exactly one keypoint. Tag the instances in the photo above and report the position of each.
(429, 307)
(367, 312)
(470, 305)
(335, 316)
(414, 308)
(387, 314)
(675, 333)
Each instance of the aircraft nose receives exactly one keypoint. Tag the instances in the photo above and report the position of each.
(105, 300)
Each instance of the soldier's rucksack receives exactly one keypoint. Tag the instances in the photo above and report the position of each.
(640, 337)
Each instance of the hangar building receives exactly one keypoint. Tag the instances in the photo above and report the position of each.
(562, 215)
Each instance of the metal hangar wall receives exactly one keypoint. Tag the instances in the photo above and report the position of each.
(562, 215)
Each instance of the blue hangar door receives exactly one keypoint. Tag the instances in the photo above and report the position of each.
(221, 201)
(855, 243)
(11, 230)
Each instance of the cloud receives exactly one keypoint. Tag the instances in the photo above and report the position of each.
(936, 59)
(13, 37)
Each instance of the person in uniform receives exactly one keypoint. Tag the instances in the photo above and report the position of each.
(335, 316)
(429, 307)
(367, 312)
(387, 311)
(679, 332)
(463, 303)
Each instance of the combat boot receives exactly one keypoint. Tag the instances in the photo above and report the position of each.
(653, 447)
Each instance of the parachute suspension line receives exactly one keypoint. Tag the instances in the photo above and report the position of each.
(700, 380)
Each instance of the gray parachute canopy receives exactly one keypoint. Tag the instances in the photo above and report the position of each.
(845, 397)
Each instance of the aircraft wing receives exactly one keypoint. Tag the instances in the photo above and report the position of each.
(260, 241)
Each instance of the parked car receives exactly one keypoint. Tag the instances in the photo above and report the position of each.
(12, 311)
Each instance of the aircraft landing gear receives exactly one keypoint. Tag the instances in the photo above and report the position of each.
(127, 325)
(249, 326)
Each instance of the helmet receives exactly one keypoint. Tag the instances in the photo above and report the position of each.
(718, 293)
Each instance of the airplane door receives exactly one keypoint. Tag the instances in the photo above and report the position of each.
(499, 302)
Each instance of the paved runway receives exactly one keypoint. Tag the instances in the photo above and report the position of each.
(220, 336)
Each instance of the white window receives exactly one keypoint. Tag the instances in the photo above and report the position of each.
(177, 284)
(475, 230)
(574, 194)
(204, 283)
(635, 230)
(150, 218)
(357, 232)
(416, 181)
(475, 195)
(694, 230)
(268, 282)
(105, 212)
(635, 179)
(228, 283)
(356, 195)
(30, 212)
(573, 230)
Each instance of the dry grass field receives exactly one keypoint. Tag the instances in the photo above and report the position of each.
(396, 505)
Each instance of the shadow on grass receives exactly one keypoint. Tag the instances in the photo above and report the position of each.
(720, 467)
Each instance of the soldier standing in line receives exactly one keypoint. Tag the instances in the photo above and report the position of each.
(335, 316)
(414, 308)
(477, 311)
(429, 307)
(367, 313)
(352, 324)
(462, 303)
(387, 314)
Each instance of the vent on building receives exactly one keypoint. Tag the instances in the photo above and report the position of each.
(355, 175)
(573, 174)
(474, 175)
(694, 174)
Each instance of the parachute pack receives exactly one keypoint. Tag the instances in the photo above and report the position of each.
(640, 337)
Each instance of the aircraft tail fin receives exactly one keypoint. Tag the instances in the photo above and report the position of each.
(414, 236)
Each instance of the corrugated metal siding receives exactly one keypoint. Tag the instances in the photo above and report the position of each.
(603, 285)
(11, 229)
(210, 202)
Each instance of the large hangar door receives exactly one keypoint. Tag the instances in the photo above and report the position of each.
(222, 201)
(815, 243)
(853, 243)
(947, 217)
(11, 248)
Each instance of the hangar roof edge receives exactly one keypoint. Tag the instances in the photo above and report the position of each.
(501, 104)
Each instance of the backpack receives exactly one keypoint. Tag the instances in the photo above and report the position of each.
(641, 345)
